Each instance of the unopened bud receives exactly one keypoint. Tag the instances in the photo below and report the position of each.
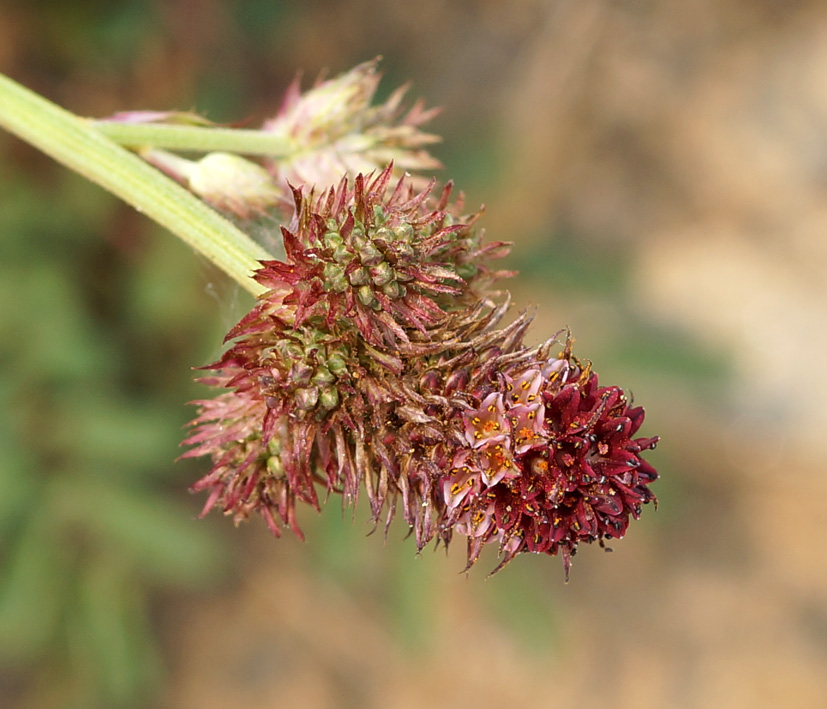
(301, 373)
(369, 254)
(382, 273)
(403, 231)
(335, 279)
(358, 277)
(323, 376)
(394, 290)
(367, 297)
(233, 184)
(457, 381)
(337, 364)
(329, 399)
(306, 399)
(431, 382)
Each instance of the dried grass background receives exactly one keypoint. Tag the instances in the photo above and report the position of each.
(662, 170)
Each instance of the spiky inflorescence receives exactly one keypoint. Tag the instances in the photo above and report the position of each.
(374, 359)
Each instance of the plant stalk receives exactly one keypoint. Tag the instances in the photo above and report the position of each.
(79, 145)
(195, 138)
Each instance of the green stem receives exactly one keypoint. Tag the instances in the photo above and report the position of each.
(78, 145)
(196, 138)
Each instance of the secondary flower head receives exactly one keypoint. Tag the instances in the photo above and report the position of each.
(340, 133)
(317, 136)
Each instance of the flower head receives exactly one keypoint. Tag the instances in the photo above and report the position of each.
(340, 133)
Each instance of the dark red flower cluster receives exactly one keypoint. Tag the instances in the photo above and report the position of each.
(550, 462)
(374, 362)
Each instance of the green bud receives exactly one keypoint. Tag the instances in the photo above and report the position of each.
(369, 254)
(357, 237)
(301, 373)
(339, 285)
(382, 273)
(384, 234)
(335, 279)
(332, 271)
(323, 376)
(329, 399)
(367, 297)
(403, 231)
(342, 254)
(306, 399)
(358, 277)
(333, 239)
(337, 364)
(394, 289)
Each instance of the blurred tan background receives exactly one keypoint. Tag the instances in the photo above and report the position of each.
(662, 170)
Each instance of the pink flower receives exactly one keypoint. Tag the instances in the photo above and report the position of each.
(487, 425)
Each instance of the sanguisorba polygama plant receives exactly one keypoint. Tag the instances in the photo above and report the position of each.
(375, 359)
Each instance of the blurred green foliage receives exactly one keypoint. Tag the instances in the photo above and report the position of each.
(95, 356)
